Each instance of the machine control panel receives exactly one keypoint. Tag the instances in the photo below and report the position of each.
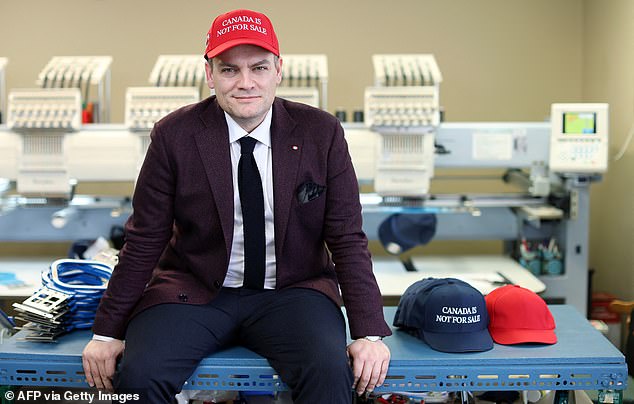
(579, 138)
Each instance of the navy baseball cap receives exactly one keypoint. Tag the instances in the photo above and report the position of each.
(448, 314)
(400, 232)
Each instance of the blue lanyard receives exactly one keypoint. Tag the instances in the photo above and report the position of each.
(84, 281)
(77, 276)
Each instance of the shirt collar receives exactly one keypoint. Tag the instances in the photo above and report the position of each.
(262, 133)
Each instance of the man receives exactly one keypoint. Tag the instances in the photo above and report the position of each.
(200, 270)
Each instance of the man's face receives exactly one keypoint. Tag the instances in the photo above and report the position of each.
(245, 78)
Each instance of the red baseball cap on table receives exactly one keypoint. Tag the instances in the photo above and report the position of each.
(518, 315)
(240, 27)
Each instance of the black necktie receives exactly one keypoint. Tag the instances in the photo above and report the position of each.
(252, 201)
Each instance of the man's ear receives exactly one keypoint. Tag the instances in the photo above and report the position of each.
(209, 74)
(279, 71)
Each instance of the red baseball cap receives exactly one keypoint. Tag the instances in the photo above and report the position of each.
(240, 27)
(518, 315)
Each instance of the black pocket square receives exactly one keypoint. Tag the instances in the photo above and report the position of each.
(308, 191)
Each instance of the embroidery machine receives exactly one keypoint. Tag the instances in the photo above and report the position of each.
(401, 149)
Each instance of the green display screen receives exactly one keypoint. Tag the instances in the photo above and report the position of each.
(580, 123)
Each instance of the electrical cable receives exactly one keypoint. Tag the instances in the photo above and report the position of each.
(626, 144)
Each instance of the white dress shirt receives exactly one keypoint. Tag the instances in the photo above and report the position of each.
(263, 158)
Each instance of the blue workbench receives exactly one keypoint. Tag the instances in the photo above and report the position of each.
(582, 359)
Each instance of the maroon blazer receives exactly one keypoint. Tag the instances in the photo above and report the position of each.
(178, 239)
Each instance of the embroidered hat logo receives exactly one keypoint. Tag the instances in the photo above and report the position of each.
(448, 314)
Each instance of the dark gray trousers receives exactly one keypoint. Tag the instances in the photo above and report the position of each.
(300, 331)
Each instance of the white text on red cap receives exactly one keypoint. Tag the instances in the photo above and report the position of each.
(241, 23)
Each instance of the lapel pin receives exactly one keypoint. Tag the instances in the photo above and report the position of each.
(295, 147)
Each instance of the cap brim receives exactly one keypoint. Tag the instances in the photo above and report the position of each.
(515, 336)
(241, 41)
(459, 342)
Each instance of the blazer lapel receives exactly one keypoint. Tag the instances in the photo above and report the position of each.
(286, 147)
(213, 146)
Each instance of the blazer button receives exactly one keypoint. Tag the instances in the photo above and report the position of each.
(182, 297)
(217, 284)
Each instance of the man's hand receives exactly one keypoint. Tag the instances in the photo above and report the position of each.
(99, 359)
(370, 361)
